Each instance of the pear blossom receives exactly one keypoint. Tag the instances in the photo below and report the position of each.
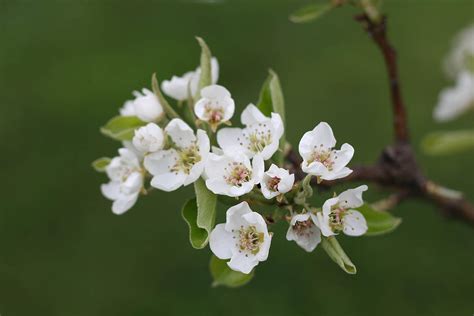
(146, 106)
(183, 159)
(461, 57)
(126, 181)
(320, 159)
(276, 181)
(215, 106)
(178, 87)
(244, 239)
(233, 174)
(261, 134)
(148, 138)
(338, 214)
(304, 231)
(128, 109)
(456, 100)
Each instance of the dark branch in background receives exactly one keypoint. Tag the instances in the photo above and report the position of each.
(396, 168)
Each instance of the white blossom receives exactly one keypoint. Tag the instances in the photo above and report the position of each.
(128, 109)
(215, 106)
(320, 159)
(304, 231)
(233, 174)
(178, 87)
(261, 134)
(148, 138)
(183, 161)
(338, 214)
(276, 181)
(126, 181)
(461, 57)
(244, 239)
(456, 100)
(146, 106)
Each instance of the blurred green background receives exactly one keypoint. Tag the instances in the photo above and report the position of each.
(67, 66)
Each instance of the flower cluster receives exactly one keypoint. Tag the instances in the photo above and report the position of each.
(170, 146)
(459, 65)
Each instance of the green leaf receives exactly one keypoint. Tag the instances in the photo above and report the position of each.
(310, 12)
(100, 164)
(225, 276)
(206, 73)
(337, 254)
(164, 103)
(444, 143)
(122, 127)
(200, 215)
(271, 100)
(379, 222)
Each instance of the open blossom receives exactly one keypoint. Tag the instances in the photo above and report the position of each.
(146, 106)
(233, 174)
(148, 138)
(276, 181)
(461, 57)
(339, 215)
(178, 87)
(261, 134)
(215, 106)
(183, 162)
(126, 181)
(304, 231)
(456, 100)
(244, 239)
(320, 159)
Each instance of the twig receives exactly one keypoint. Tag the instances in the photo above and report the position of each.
(396, 168)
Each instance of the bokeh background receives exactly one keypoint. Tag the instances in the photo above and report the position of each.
(67, 66)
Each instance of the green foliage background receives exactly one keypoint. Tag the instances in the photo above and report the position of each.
(67, 66)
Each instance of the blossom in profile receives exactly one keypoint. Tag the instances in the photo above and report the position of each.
(338, 214)
(244, 239)
(178, 87)
(148, 138)
(146, 106)
(456, 100)
(304, 231)
(126, 181)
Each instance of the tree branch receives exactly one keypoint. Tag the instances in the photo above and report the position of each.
(396, 168)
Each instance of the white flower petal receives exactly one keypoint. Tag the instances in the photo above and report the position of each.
(221, 242)
(252, 115)
(111, 190)
(234, 216)
(354, 223)
(242, 263)
(124, 203)
(168, 181)
(147, 107)
(352, 198)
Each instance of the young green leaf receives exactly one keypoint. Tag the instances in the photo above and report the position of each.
(164, 103)
(200, 214)
(206, 74)
(122, 127)
(337, 254)
(378, 222)
(310, 12)
(444, 143)
(100, 164)
(271, 100)
(223, 275)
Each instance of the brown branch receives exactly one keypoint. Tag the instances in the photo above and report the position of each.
(396, 168)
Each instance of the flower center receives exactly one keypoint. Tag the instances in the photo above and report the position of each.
(258, 137)
(214, 114)
(335, 218)
(323, 156)
(249, 239)
(273, 183)
(238, 174)
(303, 228)
(188, 157)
